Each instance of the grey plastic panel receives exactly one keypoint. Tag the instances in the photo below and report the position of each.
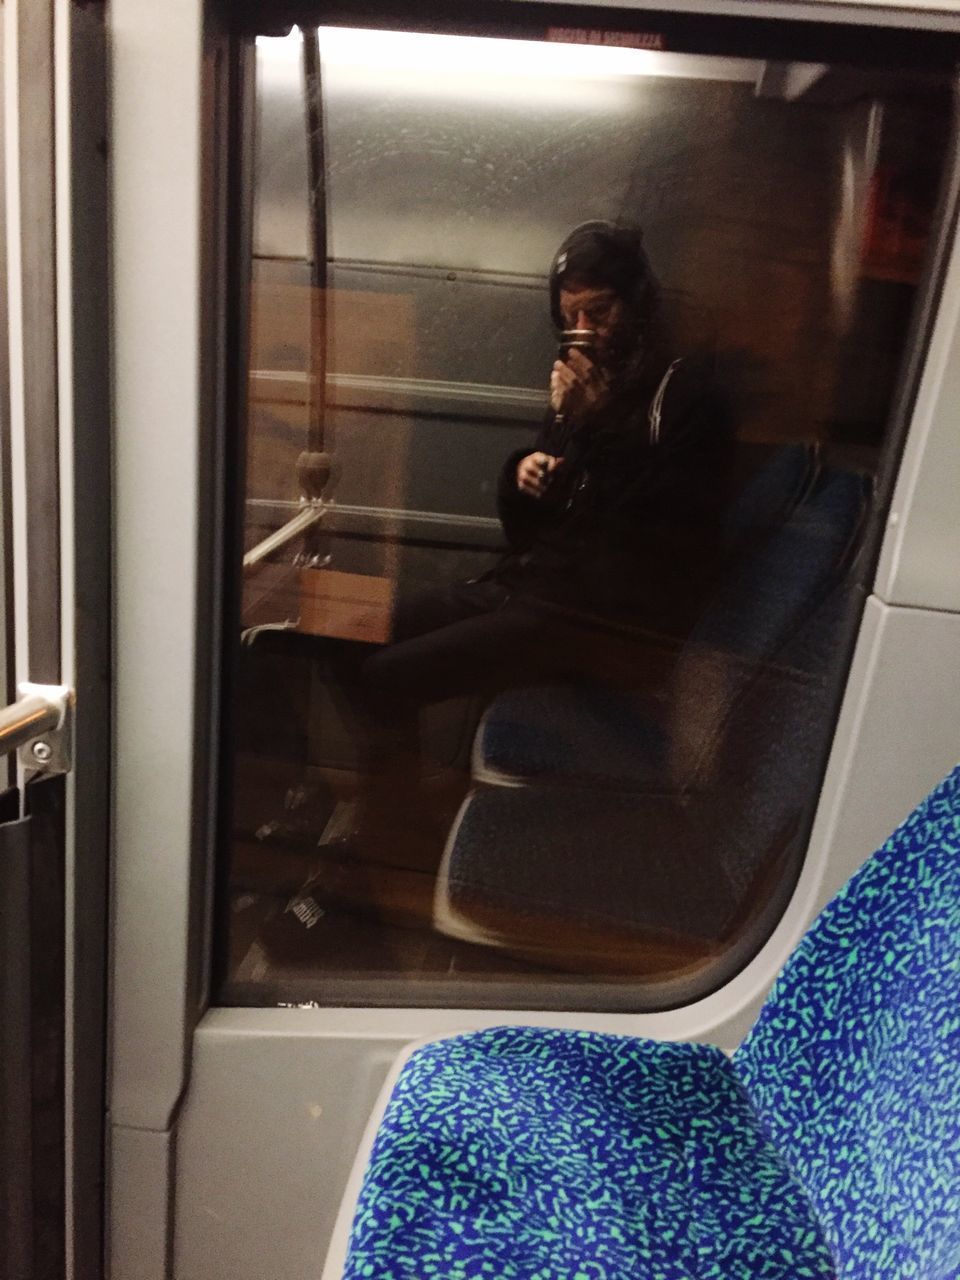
(266, 1143)
(139, 1204)
(921, 549)
(899, 733)
(340, 1239)
(155, 122)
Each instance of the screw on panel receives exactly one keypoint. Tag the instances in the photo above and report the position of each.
(42, 751)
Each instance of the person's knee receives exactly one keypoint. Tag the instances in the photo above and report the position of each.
(375, 670)
(391, 672)
(437, 607)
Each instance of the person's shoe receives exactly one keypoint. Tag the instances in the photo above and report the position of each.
(291, 932)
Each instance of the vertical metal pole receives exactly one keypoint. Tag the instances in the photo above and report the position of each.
(8, 680)
(84, 409)
(36, 264)
(317, 186)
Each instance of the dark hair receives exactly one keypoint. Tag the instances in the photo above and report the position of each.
(608, 256)
(605, 255)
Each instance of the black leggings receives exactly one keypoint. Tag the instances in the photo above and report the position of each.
(470, 639)
(477, 638)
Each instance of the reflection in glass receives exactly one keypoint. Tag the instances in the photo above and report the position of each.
(571, 369)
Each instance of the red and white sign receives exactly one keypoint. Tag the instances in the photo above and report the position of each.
(608, 39)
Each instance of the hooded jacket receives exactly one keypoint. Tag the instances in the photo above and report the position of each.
(628, 526)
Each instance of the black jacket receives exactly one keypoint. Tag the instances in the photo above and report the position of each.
(629, 527)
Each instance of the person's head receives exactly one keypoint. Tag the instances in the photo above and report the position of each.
(601, 280)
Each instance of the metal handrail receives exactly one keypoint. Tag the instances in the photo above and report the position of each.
(28, 717)
(302, 521)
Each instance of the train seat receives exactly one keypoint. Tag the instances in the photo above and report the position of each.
(603, 735)
(669, 863)
(778, 546)
(554, 733)
(827, 1146)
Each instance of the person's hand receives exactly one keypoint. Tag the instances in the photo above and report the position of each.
(533, 473)
(577, 385)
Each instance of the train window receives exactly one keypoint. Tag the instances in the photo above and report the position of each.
(573, 363)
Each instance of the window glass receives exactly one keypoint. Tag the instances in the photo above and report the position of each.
(571, 369)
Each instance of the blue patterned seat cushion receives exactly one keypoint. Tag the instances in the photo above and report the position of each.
(832, 1140)
(764, 603)
(648, 865)
(532, 1154)
(854, 1063)
(586, 732)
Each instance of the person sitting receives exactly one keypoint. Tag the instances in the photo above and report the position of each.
(610, 518)
(612, 527)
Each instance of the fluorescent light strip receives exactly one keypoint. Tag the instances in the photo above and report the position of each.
(375, 54)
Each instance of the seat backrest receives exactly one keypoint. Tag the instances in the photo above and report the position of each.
(854, 1062)
(767, 596)
(770, 494)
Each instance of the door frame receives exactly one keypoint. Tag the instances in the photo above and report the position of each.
(58, 483)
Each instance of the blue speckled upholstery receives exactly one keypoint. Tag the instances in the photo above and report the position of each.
(647, 864)
(615, 737)
(771, 493)
(854, 1062)
(622, 738)
(609, 737)
(555, 1154)
(830, 1145)
(682, 854)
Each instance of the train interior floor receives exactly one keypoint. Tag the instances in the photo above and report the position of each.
(373, 922)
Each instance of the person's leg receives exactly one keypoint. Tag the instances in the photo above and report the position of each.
(456, 642)
(471, 654)
(509, 645)
(464, 640)
(420, 611)
(395, 822)
(386, 712)
(513, 643)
